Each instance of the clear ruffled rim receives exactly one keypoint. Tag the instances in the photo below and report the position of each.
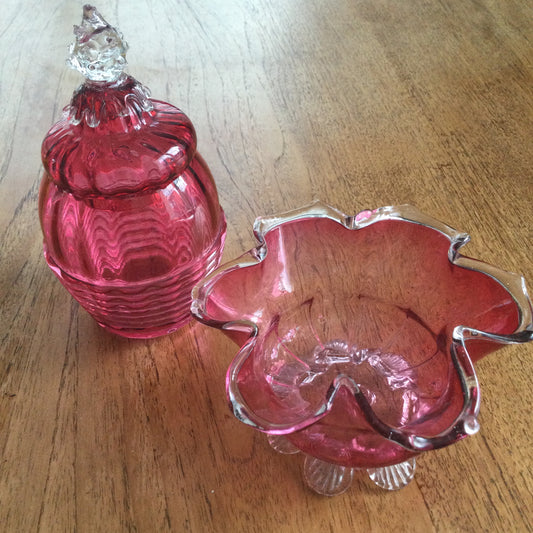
(466, 422)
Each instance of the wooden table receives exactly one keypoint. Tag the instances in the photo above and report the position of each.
(359, 103)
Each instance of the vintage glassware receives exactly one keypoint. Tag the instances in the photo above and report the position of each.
(357, 337)
(128, 208)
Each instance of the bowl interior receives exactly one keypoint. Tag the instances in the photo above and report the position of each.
(375, 307)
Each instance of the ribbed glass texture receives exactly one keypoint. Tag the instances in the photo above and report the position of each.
(129, 210)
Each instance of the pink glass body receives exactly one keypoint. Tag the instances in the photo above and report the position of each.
(321, 310)
(128, 208)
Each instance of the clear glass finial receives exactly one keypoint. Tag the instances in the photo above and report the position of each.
(99, 51)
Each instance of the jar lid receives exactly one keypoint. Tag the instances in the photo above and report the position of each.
(113, 138)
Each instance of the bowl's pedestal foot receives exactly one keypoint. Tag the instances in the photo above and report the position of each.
(282, 444)
(330, 479)
(393, 477)
(326, 478)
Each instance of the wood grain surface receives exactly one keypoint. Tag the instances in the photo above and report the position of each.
(359, 103)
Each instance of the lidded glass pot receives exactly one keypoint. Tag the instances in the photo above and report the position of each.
(128, 208)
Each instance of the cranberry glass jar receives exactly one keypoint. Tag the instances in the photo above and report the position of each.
(128, 208)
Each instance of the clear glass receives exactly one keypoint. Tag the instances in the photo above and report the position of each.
(99, 51)
(357, 334)
(128, 208)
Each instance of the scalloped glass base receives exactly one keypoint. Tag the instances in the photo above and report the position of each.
(393, 477)
(281, 444)
(330, 479)
(326, 478)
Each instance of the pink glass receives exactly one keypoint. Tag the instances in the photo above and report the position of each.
(128, 208)
(358, 335)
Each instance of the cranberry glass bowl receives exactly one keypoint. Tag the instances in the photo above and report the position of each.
(357, 337)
